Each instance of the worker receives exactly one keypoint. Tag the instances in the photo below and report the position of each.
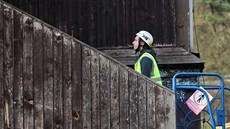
(146, 63)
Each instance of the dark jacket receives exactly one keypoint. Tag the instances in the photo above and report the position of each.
(146, 62)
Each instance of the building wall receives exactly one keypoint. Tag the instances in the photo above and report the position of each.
(102, 23)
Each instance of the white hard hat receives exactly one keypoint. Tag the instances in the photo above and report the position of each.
(146, 37)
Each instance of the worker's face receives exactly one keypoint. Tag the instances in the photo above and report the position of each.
(135, 43)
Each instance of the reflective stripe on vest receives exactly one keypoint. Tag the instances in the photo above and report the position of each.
(155, 73)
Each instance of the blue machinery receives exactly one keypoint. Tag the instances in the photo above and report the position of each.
(215, 109)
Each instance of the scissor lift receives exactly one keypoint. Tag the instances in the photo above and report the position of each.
(214, 113)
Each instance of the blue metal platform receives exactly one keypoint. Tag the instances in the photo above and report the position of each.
(214, 113)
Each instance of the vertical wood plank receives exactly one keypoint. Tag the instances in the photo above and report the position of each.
(124, 98)
(38, 74)
(53, 11)
(151, 112)
(99, 25)
(133, 97)
(28, 72)
(86, 89)
(74, 8)
(8, 66)
(91, 18)
(83, 26)
(48, 77)
(182, 23)
(79, 19)
(63, 15)
(95, 90)
(150, 10)
(70, 11)
(159, 107)
(114, 76)
(18, 65)
(170, 112)
(121, 21)
(169, 17)
(140, 13)
(1, 65)
(142, 103)
(58, 89)
(111, 22)
(103, 22)
(77, 85)
(129, 22)
(67, 84)
(159, 25)
(104, 92)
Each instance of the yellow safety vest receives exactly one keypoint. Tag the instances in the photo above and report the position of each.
(155, 74)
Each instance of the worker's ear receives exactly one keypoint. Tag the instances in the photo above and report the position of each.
(142, 43)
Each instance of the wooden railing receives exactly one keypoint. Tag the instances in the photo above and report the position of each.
(49, 80)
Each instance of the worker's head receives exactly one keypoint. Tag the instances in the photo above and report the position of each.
(143, 38)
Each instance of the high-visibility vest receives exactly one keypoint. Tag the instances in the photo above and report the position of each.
(155, 73)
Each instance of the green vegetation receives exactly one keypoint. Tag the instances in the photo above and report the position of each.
(212, 30)
(212, 37)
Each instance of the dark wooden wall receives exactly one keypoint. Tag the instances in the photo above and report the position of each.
(51, 80)
(103, 23)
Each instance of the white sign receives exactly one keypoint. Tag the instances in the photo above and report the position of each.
(197, 101)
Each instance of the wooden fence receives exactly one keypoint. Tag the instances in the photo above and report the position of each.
(49, 80)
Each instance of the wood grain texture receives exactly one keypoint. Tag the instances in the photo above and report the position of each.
(48, 68)
(28, 95)
(1, 66)
(52, 80)
(38, 74)
(18, 74)
(109, 24)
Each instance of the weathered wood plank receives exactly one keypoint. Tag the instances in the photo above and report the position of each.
(169, 106)
(151, 112)
(58, 89)
(142, 103)
(104, 71)
(151, 10)
(28, 72)
(182, 23)
(91, 17)
(38, 74)
(159, 25)
(140, 13)
(48, 77)
(130, 16)
(82, 13)
(111, 22)
(159, 107)
(95, 90)
(1, 66)
(170, 20)
(77, 85)
(122, 10)
(67, 83)
(124, 98)
(102, 23)
(86, 89)
(114, 90)
(133, 98)
(18, 65)
(8, 66)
